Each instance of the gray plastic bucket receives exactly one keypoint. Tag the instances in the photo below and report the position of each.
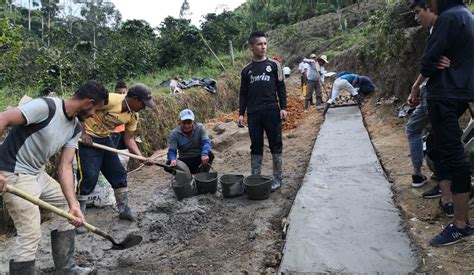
(184, 190)
(258, 187)
(232, 185)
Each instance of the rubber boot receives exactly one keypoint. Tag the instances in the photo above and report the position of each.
(62, 247)
(125, 213)
(358, 99)
(326, 108)
(22, 268)
(82, 229)
(256, 164)
(319, 101)
(277, 171)
(306, 105)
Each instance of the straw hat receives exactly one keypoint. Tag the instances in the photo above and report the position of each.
(324, 58)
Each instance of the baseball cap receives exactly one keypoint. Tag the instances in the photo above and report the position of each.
(312, 55)
(186, 114)
(143, 92)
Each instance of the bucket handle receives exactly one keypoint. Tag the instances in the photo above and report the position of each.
(201, 166)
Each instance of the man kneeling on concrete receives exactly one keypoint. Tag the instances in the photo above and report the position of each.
(191, 141)
(121, 109)
(41, 128)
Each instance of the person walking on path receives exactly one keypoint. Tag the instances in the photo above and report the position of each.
(344, 82)
(121, 109)
(263, 96)
(191, 141)
(40, 129)
(313, 78)
(449, 92)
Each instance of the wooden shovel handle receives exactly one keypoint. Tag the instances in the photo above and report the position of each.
(46, 206)
(110, 149)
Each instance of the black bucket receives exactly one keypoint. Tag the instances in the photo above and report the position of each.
(206, 182)
(258, 187)
(184, 190)
(232, 185)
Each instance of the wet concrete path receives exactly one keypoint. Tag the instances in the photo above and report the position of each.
(343, 218)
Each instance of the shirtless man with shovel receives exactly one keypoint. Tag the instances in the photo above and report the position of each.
(40, 129)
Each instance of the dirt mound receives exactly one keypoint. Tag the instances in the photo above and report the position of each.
(295, 106)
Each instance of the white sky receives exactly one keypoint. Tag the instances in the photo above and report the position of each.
(154, 11)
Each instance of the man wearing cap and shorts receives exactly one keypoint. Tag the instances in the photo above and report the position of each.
(191, 142)
(121, 109)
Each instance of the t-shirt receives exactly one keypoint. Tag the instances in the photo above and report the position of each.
(198, 144)
(286, 70)
(260, 83)
(48, 129)
(105, 120)
(313, 73)
(350, 78)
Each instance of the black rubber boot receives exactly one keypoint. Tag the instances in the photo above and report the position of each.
(62, 247)
(125, 213)
(22, 268)
(82, 229)
(358, 99)
(326, 108)
(256, 164)
(277, 171)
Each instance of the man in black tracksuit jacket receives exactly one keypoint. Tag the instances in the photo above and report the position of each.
(263, 95)
(449, 92)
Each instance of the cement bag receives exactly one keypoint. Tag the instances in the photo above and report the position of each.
(103, 194)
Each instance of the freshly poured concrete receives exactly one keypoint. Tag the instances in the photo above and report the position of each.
(343, 218)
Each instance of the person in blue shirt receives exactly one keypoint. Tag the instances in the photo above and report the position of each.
(191, 141)
(345, 82)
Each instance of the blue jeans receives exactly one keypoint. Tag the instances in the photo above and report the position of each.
(416, 124)
(270, 122)
(91, 161)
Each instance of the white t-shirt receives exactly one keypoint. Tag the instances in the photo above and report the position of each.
(47, 130)
(286, 70)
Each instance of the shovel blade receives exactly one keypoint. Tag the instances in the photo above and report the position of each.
(130, 241)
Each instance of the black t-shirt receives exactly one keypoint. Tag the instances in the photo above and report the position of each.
(262, 87)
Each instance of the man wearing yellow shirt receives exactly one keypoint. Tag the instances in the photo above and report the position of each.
(121, 109)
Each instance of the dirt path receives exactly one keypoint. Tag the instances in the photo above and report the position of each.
(424, 218)
(208, 233)
(205, 233)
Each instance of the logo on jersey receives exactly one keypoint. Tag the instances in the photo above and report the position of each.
(262, 77)
(269, 68)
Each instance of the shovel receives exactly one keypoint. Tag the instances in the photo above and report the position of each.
(182, 172)
(129, 241)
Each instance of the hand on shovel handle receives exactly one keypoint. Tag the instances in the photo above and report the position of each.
(130, 240)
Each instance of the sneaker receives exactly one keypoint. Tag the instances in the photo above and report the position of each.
(275, 186)
(467, 231)
(305, 111)
(319, 107)
(450, 235)
(418, 181)
(448, 208)
(433, 193)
